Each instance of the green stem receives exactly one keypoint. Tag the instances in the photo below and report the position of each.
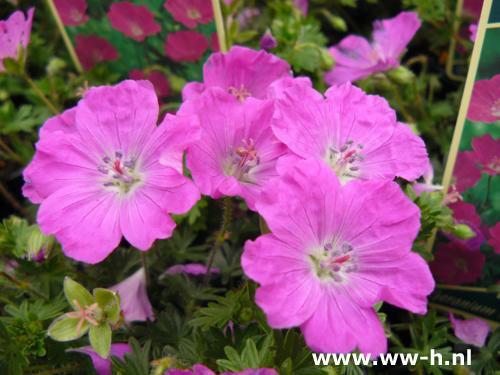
(486, 195)
(407, 116)
(12, 200)
(40, 94)
(10, 152)
(221, 234)
(219, 24)
(145, 265)
(22, 285)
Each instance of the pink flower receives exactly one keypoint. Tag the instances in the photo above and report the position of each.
(185, 45)
(92, 49)
(240, 73)
(14, 34)
(466, 173)
(473, 31)
(494, 240)
(156, 77)
(104, 169)
(334, 252)
(191, 268)
(465, 213)
(134, 301)
(484, 105)
(135, 21)
(214, 42)
(267, 41)
(302, 5)
(427, 186)
(356, 134)
(237, 153)
(455, 264)
(356, 58)
(103, 365)
(487, 153)
(190, 12)
(72, 12)
(253, 371)
(473, 8)
(471, 331)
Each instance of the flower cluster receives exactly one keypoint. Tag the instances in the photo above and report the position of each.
(319, 169)
(14, 35)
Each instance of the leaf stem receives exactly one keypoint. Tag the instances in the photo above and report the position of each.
(22, 285)
(144, 261)
(12, 200)
(40, 94)
(219, 24)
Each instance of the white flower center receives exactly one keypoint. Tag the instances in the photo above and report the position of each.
(333, 264)
(345, 161)
(241, 94)
(242, 161)
(120, 176)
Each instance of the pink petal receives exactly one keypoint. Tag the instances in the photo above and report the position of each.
(471, 331)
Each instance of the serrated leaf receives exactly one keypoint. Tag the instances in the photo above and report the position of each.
(100, 339)
(76, 292)
(66, 329)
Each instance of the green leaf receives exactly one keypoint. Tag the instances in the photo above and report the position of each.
(109, 302)
(65, 329)
(100, 339)
(76, 292)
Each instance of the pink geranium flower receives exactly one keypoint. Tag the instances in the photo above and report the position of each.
(455, 264)
(473, 31)
(484, 105)
(156, 77)
(334, 252)
(356, 134)
(186, 45)
(103, 365)
(487, 153)
(191, 269)
(135, 21)
(427, 186)
(104, 169)
(190, 12)
(72, 12)
(494, 239)
(303, 5)
(14, 34)
(356, 58)
(465, 213)
(471, 331)
(466, 173)
(134, 301)
(92, 49)
(237, 153)
(240, 73)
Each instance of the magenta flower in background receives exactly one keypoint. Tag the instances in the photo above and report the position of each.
(156, 77)
(466, 173)
(134, 301)
(246, 16)
(240, 73)
(486, 152)
(92, 49)
(103, 170)
(186, 45)
(333, 252)
(237, 152)
(135, 21)
(484, 105)
(253, 371)
(356, 134)
(14, 34)
(303, 5)
(494, 237)
(191, 269)
(267, 41)
(456, 264)
(190, 12)
(471, 331)
(72, 12)
(472, 8)
(356, 58)
(465, 213)
(473, 31)
(103, 365)
(214, 42)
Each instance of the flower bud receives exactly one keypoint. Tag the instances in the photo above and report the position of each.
(463, 231)
(401, 75)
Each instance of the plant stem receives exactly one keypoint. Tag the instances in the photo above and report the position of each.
(9, 151)
(22, 285)
(40, 94)
(219, 24)
(12, 200)
(221, 234)
(486, 195)
(145, 265)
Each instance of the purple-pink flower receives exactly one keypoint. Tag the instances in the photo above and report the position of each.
(494, 237)
(156, 77)
(186, 45)
(103, 365)
(473, 31)
(356, 134)
(240, 73)
(134, 301)
(190, 12)
(135, 21)
(14, 34)
(486, 152)
(427, 186)
(357, 58)
(484, 105)
(471, 331)
(466, 173)
(191, 269)
(238, 152)
(334, 251)
(72, 12)
(303, 5)
(92, 49)
(103, 170)
(465, 213)
(268, 41)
